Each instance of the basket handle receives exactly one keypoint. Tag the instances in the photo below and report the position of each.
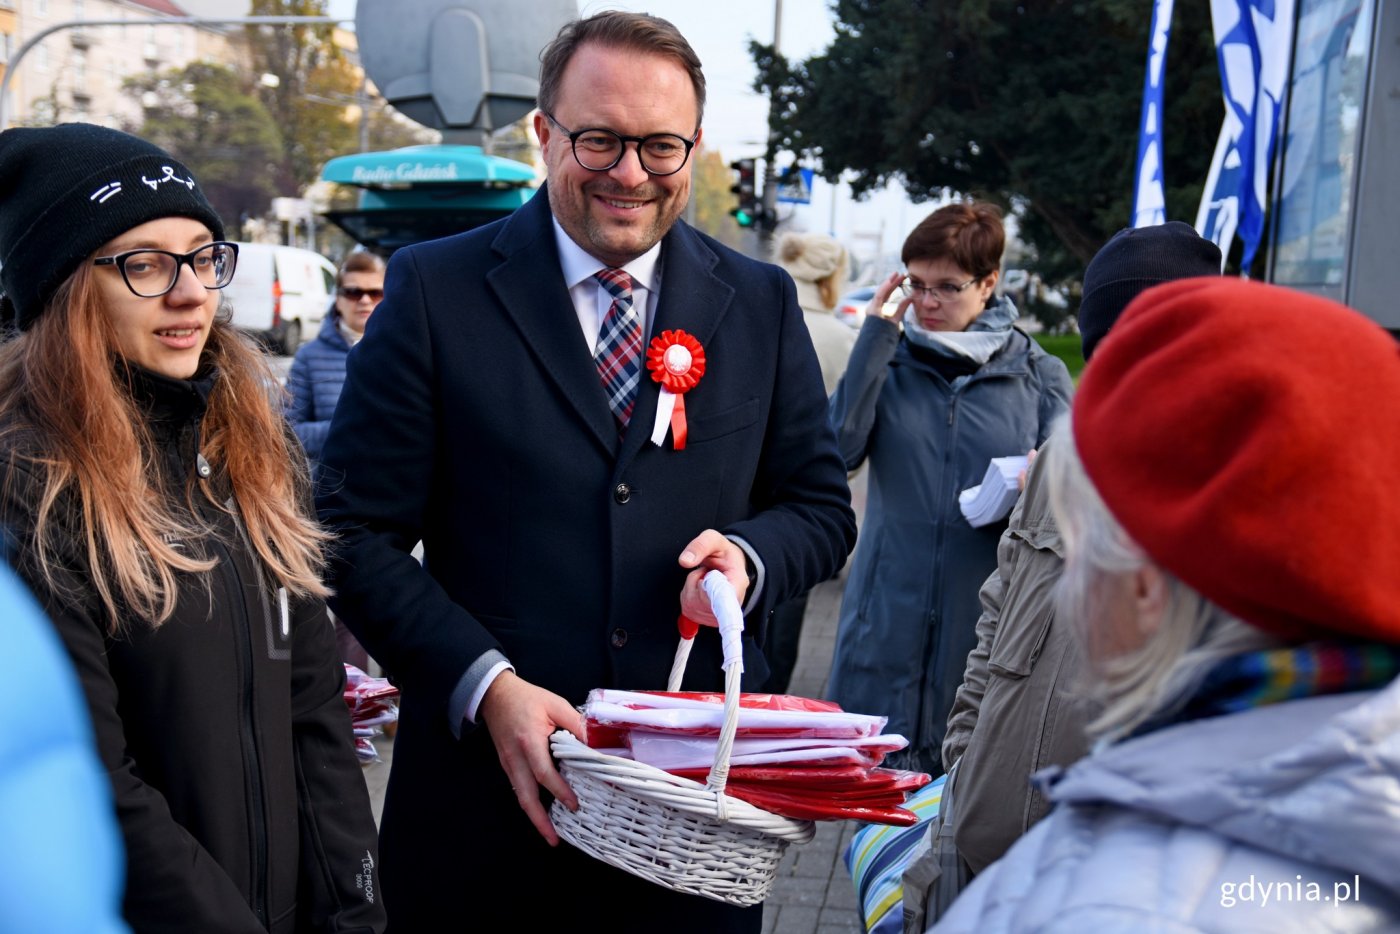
(725, 604)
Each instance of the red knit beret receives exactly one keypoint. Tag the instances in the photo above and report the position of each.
(1247, 437)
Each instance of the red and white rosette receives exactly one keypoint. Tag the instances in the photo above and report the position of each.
(676, 361)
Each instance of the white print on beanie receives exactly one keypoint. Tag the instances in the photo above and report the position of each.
(169, 176)
(106, 191)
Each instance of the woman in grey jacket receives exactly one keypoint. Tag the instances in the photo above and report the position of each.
(1227, 538)
(929, 404)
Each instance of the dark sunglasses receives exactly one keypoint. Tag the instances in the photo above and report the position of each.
(355, 294)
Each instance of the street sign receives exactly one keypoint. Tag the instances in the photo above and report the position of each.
(795, 186)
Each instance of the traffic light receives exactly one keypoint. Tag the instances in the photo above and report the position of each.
(748, 211)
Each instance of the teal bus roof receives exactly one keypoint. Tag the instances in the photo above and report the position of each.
(502, 199)
(426, 166)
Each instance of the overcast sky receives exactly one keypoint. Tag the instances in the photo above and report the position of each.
(736, 117)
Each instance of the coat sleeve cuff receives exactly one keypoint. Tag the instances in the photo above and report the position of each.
(756, 585)
(467, 695)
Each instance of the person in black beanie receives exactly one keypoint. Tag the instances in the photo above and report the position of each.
(1134, 260)
(1018, 709)
(156, 503)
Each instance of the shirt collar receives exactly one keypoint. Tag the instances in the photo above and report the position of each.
(579, 266)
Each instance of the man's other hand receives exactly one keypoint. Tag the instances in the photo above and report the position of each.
(521, 717)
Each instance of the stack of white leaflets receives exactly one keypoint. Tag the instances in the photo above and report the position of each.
(993, 499)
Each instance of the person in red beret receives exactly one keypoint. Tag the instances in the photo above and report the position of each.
(1229, 522)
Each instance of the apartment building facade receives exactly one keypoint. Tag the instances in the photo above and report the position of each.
(78, 73)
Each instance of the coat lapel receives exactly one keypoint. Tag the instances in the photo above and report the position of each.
(693, 299)
(530, 286)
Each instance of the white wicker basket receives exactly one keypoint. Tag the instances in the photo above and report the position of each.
(669, 830)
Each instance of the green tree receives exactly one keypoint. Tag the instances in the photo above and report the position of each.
(208, 118)
(710, 182)
(389, 129)
(1030, 103)
(314, 88)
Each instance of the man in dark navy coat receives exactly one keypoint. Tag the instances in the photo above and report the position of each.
(561, 540)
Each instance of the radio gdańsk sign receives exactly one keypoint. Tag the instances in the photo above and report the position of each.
(405, 172)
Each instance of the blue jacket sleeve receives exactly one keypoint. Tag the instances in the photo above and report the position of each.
(63, 869)
(1056, 391)
(853, 405)
(301, 406)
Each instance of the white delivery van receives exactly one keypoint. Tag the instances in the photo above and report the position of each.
(280, 293)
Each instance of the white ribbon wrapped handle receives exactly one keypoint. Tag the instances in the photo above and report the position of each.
(724, 602)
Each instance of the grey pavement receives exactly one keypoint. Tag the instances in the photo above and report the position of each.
(813, 893)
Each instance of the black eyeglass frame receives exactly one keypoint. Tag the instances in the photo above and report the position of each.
(181, 259)
(573, 136)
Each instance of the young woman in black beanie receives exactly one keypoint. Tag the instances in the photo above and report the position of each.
(151, 495)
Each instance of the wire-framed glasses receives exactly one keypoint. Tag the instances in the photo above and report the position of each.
(943, 292)
(598, 150)
(152, 273)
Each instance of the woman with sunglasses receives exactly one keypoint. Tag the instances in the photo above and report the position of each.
(318, 374)
(153, 499)
(933, 391)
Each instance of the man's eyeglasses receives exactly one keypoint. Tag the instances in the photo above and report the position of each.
(943, 292)
(355, 294)
(152, 273)
(598, 150)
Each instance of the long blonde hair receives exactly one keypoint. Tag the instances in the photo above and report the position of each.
(69, 418)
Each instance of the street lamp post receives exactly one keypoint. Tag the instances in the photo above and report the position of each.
(769, 212)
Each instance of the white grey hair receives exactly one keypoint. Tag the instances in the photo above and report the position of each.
(1194, 634)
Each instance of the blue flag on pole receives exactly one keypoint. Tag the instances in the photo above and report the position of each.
(1149, 195)
(1253, 40)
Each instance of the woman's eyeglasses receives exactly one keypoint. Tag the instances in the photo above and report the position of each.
(152, 273)
(943, 292)
(355, 294)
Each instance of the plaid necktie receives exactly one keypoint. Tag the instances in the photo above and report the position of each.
(619, 353)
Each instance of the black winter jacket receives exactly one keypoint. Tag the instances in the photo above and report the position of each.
(224, 730)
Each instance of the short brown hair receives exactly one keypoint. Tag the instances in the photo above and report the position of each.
(616, 29)
(969, 234)
(359, 261)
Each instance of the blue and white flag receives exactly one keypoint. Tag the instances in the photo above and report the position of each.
(1253, 40)
(1149, 196)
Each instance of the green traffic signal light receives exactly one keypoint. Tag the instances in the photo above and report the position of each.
(744, 218)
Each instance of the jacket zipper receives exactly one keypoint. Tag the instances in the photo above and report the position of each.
(930, 649)
(257, 808)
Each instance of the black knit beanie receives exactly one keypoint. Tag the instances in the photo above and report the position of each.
(1134, 261)
(65, 191)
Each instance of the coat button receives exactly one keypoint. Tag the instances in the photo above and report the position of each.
(619, 638)
(622, 493)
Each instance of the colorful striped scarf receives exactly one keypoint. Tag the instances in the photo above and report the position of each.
(1254, 679)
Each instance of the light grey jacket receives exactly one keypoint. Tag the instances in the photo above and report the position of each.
(1283, 819)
